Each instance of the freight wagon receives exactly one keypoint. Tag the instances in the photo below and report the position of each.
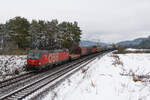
(82, 51)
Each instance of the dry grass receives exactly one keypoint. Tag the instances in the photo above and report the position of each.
(136, 79)
(84, 70)
(92, 84)
(115, 56)
(116, 60)
(55, 95)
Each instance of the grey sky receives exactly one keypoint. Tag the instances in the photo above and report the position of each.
(107, 20)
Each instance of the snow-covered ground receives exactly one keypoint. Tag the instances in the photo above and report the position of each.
(132, 49)
(11, 66)
(113, 77)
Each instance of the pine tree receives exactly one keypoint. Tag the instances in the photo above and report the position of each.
(18, 30)
(51, 34)
(69, 34)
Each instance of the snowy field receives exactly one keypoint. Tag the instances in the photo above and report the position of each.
(132, 49)
(113, 77)
(11, 66)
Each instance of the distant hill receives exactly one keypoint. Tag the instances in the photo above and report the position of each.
(90, 43)
(145, 44)
(134, 42)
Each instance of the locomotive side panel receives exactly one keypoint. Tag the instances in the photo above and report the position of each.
(44, 59)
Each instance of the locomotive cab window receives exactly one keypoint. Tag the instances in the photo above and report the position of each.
(33, 55)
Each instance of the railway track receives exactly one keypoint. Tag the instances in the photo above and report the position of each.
(12, 84)
(38, 81)
(15, 79)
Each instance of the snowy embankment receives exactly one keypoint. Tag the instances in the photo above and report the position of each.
(11, 66)
(113, 77)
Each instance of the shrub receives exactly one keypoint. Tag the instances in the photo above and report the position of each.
(121, 49)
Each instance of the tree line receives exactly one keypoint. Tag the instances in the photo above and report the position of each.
(40, 34)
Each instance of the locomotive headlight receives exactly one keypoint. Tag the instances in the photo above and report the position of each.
(39, 63)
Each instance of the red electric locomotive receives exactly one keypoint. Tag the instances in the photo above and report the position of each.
(42, 59)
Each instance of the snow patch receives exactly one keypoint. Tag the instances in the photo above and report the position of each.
(10, 64)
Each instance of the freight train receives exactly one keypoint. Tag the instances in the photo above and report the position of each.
(44, 59)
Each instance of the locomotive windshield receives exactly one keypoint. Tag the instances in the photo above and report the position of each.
(33, 55)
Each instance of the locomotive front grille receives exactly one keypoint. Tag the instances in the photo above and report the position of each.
(33, 62)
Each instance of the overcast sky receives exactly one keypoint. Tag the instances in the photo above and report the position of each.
(105, 20)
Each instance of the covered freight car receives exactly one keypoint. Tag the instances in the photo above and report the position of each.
(82, 50)
(41, 59)
(79, 51)
(94, 49)
(100, 48)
